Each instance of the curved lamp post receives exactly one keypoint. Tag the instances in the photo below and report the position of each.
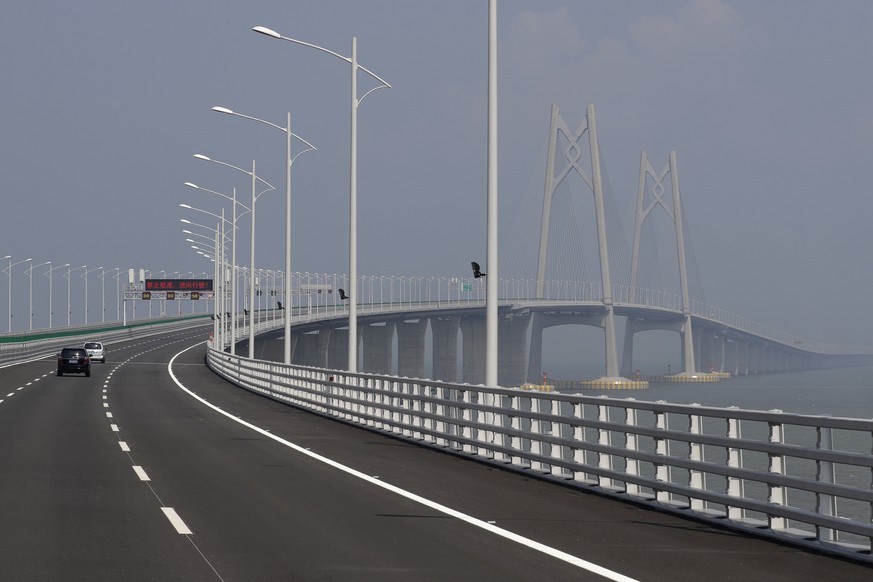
(255, 195)
(233, 265)
(49, 275)
(85, 276)
(117, 278)
(290, 162)
(219, 261)
(9, 272)
(29, 273)
(102, 277)
(10, 268)
(69, 304)
(233, 299)
(353, 177)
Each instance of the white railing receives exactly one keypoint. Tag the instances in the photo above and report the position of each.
(802, 479)
(315, 296)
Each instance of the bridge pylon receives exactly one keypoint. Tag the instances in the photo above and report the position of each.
(648, 201)
(574, 148)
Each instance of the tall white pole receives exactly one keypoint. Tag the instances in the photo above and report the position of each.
(9, 299)
(69, 305)
(353, 218)
(85, 276)
(287, 324)
(51, 287)
(50, 298)
(223, 272)
(491, 320)
(252, 270)
(118, 294)
(30, 292)
(233, 299)
(30, 297)
(216, 288)
(102, 295)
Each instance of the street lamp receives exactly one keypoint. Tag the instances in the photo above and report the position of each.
(219, 260)
(117, 278)
(289, 160)
(221, 270)
(233, 300)
(9, 272)
(85, 276)
(29, 273)
(51, 305)
(255, 196)
(353, 178)
(69, 305)
(3, 259)
(102, 277)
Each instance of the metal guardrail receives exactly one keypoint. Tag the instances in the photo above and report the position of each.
(47, 342)
(800, 479)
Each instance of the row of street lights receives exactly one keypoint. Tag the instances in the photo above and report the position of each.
(289, 161)
(49, 272)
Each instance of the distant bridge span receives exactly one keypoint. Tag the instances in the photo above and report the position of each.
(456, 331)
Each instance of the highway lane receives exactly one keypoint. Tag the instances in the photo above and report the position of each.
(75, 508)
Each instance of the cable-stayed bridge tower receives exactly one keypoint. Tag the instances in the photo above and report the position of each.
(591, 175)
(651, 197)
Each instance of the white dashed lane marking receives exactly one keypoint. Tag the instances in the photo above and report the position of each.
(176, 521)
(140, 472)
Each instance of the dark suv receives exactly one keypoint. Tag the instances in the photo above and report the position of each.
(75, 361)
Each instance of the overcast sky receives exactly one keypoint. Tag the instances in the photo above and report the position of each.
(768, 104)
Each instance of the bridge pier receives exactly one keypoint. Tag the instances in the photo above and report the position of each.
(410, 347)
(378, 341)
(338, 349)
(310, 349)
(513, 330)
(473, 361)
(634, 326)
(444, 333)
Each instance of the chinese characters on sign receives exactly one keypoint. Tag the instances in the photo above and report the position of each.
(199, 285)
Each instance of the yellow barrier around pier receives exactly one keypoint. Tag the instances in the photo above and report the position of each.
(638, 383)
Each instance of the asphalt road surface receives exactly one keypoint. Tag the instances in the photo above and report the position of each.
(151, 470)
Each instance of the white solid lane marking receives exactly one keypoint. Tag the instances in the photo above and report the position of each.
(176, 521)
(533, 544)
(140, 472)
(124, 446)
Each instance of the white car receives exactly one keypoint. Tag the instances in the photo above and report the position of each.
(96, 351)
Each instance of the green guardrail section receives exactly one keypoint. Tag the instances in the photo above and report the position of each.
(50, 334)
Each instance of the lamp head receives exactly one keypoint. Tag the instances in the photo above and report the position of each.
(186, 205)
(192, 185)
(202, 157)
(223, 110)
(267, 31)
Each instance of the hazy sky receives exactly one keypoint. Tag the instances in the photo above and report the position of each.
(768, 104)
